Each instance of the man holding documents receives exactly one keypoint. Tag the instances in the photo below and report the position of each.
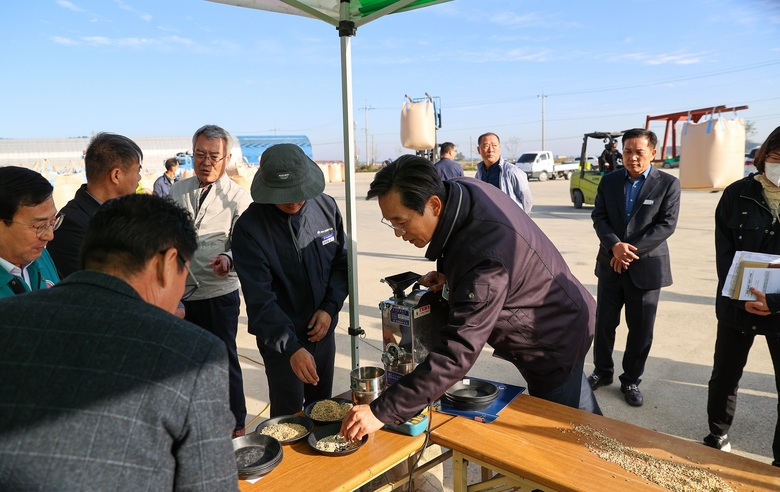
(746, 222)
(635, 212)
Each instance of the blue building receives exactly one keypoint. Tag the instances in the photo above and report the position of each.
(252, 147)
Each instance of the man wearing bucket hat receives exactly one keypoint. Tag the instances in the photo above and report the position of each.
(289, 250)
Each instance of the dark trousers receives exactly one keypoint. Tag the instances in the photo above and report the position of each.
(731, 354)
(286, 392)
(219, 315)
(575, 393)
(641, 306)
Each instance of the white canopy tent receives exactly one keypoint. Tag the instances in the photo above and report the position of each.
(346, 16)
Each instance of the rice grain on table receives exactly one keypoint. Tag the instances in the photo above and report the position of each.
(674, 476)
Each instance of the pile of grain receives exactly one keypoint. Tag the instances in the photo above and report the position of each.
(329, 410)
(671, 475)
(336, 443)
(284, 432)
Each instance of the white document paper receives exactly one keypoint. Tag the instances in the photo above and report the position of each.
(767, 280)
(730, 285)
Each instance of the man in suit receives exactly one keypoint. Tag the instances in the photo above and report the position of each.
(102, 387)
(215, 202)
(113, 167)
(635, 212)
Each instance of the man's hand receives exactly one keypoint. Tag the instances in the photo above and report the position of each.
(622, 256)
(304, 367)
(758, 306)
(318, 325)
(358, 422)
(433, 280)
(220, 264)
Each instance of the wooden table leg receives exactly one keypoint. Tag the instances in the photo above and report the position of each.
(460, 472)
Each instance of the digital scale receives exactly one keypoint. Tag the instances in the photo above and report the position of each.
(412, 427)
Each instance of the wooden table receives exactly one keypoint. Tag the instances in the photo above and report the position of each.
(527, 445)
(303, 468)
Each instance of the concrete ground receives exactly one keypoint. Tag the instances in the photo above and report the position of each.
(677, 372)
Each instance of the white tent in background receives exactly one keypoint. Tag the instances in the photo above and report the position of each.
(346, 16)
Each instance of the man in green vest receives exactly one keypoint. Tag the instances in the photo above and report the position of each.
(29, 219)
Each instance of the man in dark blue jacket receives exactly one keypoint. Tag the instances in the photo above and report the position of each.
(289, 250)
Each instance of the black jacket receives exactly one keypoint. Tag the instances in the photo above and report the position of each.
(744, 222)
(65, 248)
(285, 279)
(508, 287)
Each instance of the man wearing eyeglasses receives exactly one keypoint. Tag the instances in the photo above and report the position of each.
(29, 219)
(102, 388)
(113, 167)
(215, 202)
(503, 175)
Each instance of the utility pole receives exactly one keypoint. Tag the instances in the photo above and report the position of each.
(368, 151)
(543, 98)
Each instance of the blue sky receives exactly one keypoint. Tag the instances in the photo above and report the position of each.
(148, 68)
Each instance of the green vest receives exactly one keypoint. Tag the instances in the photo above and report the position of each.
(42, 272)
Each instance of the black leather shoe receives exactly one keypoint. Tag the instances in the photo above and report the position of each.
(597, 381)
(632, 394)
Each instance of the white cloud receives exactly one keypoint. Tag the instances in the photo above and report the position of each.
(68, 5)
(662, 58)
(141, 15)
(64, 41)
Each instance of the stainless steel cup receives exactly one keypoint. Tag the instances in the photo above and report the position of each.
(367, 383)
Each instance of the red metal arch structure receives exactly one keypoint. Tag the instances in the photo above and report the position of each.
(693, 115)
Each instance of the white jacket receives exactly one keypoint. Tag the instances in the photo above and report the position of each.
(214, 222)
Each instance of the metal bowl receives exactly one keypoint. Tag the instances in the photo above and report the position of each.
(310, 406)
(256, 454)
(332, 430)
(288, 419)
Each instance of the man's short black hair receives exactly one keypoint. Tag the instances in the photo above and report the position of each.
(21, 187)
(446, 147)
(651, 137)
(170, 163)
(479, 140)
(108, 151)
(415, 179)
(127, 232)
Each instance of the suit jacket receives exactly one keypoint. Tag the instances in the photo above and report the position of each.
(102, 391)
(65, 248)
(652, 221)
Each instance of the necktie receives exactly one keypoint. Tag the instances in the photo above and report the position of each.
(203, 193)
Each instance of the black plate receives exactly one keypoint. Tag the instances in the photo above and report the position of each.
(472, 390)
(330, 430)
(288, 419)
(256, 454)
(310, 406)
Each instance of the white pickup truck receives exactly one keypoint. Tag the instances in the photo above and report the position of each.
(541, 165)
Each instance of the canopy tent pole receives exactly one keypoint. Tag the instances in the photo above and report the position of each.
(347, 29)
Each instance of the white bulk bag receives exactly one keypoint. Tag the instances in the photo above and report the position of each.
(418, 125)
(712, 153)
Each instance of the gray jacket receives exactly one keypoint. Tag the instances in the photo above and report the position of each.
(102, 391)
(214, 221)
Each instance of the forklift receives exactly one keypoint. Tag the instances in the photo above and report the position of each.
(585, 183)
